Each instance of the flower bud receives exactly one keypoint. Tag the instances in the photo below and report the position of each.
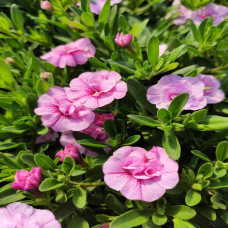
(100, 118)
(27, 181)
(71, 151)
(123, 40)
(104, 226)
(46, 5)
(45, 75)
(9, 60)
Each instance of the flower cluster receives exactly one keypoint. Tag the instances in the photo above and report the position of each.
(203, 90)
(218, 12)
(22, 215)
(139, 174)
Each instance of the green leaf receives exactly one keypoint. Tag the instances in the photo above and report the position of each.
(164, 115)
(171, 145)
(6, 75)
(68, 165)
(144, 120)
(178, 223)
(138, 91)
(180, 212)
(131, 140)
(206, 170)
(175, 54)
(61, 197)
(114, 204)
(158, 219)
(11, 198)
(103, 16)
(92, 143)
(222, 151)
(80, 222)
(224, 215)
(195, 32)
(215, 199)
(207, 212)
(28, 159)
(50, 184)
(17, 17)
(42, 87)
(131, 218)
(218, 183)
(153, 51)
(8, 146)
(97, 63)
(177, 104)
(200, 155)
(169, 67)
(79, 198)
(198, 115)
(12, 163)
(45, 162)
(87, 19)
(110, 128)
(192, 198)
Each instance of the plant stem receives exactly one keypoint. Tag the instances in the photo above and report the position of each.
(86, 185)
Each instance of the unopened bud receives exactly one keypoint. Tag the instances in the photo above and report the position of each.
(46, 5)
(45, 75)
(9, 60)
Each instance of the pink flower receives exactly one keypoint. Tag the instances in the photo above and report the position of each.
(211, 92)
(48, 137)
(218, 12)
(97, 5)
(100, 118)
(169, 86)
(162, 49)
(61, 114)
(123, 40)
(104, 226)
(185, 13)
(97, 89)
(69, 150)
(71, 54)
(46, 5)
(27, 181)
(22, 215)
(139, 174)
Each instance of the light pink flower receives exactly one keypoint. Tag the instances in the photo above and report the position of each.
(27, 181)
(46, 5)
(71, 54)
(211, 92)
(139, 174)
(69, 150)
(61, 114)
(18, 215)
(100, 118)
(169, 86)
(162, 49)
(97, 89)
(185, 13)
(123, 40)
(97, 5)
(48, 137)
(217, 11)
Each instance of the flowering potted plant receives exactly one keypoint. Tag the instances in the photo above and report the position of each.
(113, 113)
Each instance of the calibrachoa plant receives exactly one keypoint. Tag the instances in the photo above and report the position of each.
(113, 113)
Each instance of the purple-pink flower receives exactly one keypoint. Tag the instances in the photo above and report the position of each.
(59, 113)
(69, 150)
(97, 5)
(100, 118)
(20, 215)
(162, 49)
(27, 181)
(123, 40)
(48, 137)
(46, 5)
(71, 54)
(169, 86)
(97, 89)
(211, 92)
(139, 174)
(217, 11)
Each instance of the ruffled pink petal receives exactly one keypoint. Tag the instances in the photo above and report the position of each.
(20, 207)
(218, 97)
(169, 180)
